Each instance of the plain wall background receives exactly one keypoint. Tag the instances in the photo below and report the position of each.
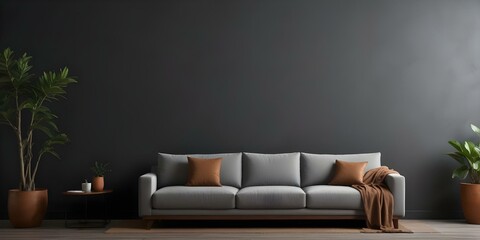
(399, 77)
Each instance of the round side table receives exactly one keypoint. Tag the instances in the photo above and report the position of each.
(86, 223)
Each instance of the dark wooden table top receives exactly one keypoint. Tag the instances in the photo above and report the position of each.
(81, 193)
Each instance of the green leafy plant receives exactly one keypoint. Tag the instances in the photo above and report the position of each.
(23, 100)
(100, 168)
(468, 155)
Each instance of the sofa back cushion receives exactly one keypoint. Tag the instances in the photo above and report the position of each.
(271, 169)
(172, 169)
(318, 169)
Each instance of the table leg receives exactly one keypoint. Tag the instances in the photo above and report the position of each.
(65, 213)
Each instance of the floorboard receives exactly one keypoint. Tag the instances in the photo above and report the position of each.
(54, 229)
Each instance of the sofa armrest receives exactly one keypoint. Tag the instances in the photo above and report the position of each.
(396, 184)
(147, 185)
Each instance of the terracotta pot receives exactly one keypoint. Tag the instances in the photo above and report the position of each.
(27, 208)
(470, 197)
(97, 184)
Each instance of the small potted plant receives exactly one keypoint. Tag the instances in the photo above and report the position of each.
(86, 186)
(468, 156)
(99, 169)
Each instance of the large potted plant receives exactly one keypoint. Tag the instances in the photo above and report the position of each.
(23, 107)
(467, 154)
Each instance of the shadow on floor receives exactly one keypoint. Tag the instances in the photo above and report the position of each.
(262, 224)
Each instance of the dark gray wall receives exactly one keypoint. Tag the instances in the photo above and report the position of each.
(399, 77)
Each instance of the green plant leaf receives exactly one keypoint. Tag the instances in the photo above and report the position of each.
(7, 115)
(475, 129)
(472, 149)
(27, 104)
(466, 147)
(465, 151)
(457, 156)
(45, 130)
(456, 145)
(460, 172)
(53, 153)
(58, 139)
(476, 165)
(52, 125)
(100, 168)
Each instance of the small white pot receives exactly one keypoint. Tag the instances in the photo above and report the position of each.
(87, 187)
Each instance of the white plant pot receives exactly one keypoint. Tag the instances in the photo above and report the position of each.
(87, 187)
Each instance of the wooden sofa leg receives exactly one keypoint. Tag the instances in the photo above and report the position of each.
(395, 223)
(149, 223)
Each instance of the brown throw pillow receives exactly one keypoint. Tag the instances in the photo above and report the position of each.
(348, 173)
(204, 172)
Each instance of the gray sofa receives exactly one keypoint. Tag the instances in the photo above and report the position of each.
(259, 186)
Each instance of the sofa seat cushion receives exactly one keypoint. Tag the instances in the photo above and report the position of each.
(333, 197)
(271, 197)
(198, 197)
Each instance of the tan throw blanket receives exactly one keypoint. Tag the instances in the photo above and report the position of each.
(377, 199)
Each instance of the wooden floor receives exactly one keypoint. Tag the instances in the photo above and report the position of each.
(54, 229)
